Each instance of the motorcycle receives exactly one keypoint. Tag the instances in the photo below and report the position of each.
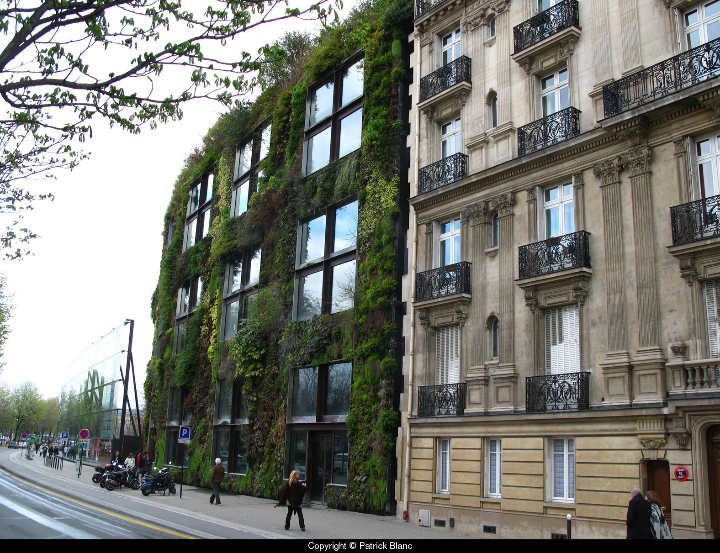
(122, 477)
(159, 482)
(100, 470)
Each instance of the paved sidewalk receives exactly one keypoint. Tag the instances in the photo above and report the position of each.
(247, 513)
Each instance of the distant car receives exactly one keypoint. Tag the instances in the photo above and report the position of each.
(12, 444)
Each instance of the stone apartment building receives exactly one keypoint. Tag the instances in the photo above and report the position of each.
(562, 324)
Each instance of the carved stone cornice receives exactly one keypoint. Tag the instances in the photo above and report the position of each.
(638, 161)
(580, 291)
(476, 214)
(503, 205)
(680, 145)
(682, 439)
(688, 270)
(652, 443)
(424, 316)
(608, 171)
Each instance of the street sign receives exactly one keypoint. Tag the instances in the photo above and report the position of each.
(682, 474)
(84, 434)
(64, 435)
(24, 435)
(184, 436)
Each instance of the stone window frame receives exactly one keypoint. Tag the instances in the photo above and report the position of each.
(550, 473)
(444, 469)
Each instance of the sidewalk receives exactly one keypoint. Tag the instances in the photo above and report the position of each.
(246, 513)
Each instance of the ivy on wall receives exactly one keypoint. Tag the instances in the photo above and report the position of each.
(268, 344)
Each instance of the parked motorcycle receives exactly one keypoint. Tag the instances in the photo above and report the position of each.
(100, 470)
(159, 482)
(122, 477)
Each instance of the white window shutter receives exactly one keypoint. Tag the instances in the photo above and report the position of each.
(712, 291)
(562, 340)
(447, 353)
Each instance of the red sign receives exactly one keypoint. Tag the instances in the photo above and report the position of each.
(24, 435)
(682, 473)
(84, 434)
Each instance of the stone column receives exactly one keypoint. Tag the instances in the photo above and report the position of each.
(504, 45)
(681, 165)
(504, 207)
(601, 41)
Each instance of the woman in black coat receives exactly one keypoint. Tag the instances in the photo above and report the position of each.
(293, 493)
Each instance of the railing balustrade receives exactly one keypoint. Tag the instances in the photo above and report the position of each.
(703, 375)
(662, 79)
(546, 23)
(455, 72)
(450, 169)
(422, 8)
(443, 399)
(555, 254)
(557, 392)
(554, 128)
(444, 281)
(695, 221)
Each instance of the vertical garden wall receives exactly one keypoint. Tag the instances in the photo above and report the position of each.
(199, 355)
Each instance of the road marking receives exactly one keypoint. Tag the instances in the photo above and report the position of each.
(151, 526)
(46, 521)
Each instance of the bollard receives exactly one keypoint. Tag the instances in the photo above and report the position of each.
(569, 526)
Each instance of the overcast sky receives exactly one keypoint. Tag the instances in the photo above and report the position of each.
(97, 260)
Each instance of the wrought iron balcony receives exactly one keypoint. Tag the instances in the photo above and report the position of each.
(422, 8)
(445, 281)
(555, 254)
(662, 79)
(444, 399)
(560, 126)
(455, 72)
(695, 220)
(440, 173)
(557, 392)
(546, 23)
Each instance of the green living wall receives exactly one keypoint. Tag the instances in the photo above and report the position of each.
(269, 345)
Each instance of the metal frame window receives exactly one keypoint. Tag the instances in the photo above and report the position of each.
(333, 120)
(702, 23)
(325, 262)
(230, 431)
(493, 470)
(253, 149)
(561, 460)
(558, 210)
(321, 393)
(197, 215)
(241, 280)
(555, 92)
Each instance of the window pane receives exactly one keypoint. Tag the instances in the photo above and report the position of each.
(312, 241)
(206, 224)
(234, 278)
(241, 408)
(341, 458)
(298, 452)
(707, 187)
(712, 8)
(222, 447)
(184, 299)
(254, 269)
(243, 159)
(309, 295)
(265, 142)
(703, 147)
(564, 97)
(567, 190)
(321, 103)
(194, 200)
(547, 82)
(240, 202)
(713, 30)
(346, 220)
(352, 85)
(224, 404)
(548, 104)
(209, 189)
(231, 318)
(562, 76)
(339, 379)
(552, 222)
(318, 155)
(343, 287)
(304, 401)
(197, 294)
(240, 466)
(694, 39)
(691, 18)
(569, 221)
(350, 132)
(552, 194)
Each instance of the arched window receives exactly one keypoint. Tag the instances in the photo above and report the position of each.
(491, 28)
(493, 331)
(492, 111)
(495, 232)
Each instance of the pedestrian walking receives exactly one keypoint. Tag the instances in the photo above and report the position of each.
(638, 517)
(216, 476)
(292, 494)
(658, 525)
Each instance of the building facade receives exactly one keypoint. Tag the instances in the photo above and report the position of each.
(564, 266)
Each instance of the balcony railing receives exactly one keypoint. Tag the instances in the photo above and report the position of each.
(701, 375)
(422, 8)
(450, 169)
(547, 23)
(560, 126)
(445, 281)
(555, 254)
(455, 72)
(662, 79)
(444, 399)
(557, 392)
(695, 221)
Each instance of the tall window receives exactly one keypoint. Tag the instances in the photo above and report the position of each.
(493, 328)
(707, 151)
(493, 112)
(325, 262)
(559, 210)
(230, 430)
(547, 4)
(241, 279)
(450, 242)
(321, 394)
(562, 339)
(702, 23)
(333, 123)
(451, 138)
(562, 461)
(712, 304)
(443, 466)
(197, 215)
(555, 94)
(451, 46)
(447, 355)
(493, 462)
(253, 149)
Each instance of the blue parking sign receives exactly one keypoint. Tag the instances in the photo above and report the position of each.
(184, 436)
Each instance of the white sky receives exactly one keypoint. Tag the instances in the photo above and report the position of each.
(97, 260)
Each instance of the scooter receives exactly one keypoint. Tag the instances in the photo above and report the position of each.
(159, 482)
(122, 477)
(100, 470)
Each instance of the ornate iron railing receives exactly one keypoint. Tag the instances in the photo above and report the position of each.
(555, 254)
(448, 75)
(695, 220)
(557, 392)
(444, 399)
(445, 281)
(662, 79)
(440, 173)
(546, 23)
(422, 8)
(560, 126)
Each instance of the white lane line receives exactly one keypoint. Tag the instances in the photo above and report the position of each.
(47, 522)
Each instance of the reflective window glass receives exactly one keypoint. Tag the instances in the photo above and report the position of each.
(318, 151)
(343, 287)
(309, 296)
(350, 133)
(321, 103)
(339, 380)
(345, 226)
(304, 402)
(312, 241)
(352, 83)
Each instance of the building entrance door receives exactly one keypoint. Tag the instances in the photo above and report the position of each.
(713, 448)
(658, 473)
(320, 469)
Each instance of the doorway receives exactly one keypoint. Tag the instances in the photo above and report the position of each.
(320, 465)
(713, 449)
(658, 479)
